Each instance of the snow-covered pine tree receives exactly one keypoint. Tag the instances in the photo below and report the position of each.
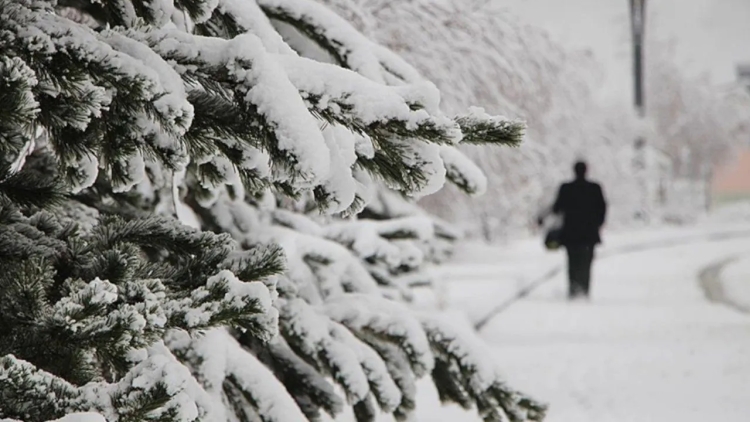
(179, 183)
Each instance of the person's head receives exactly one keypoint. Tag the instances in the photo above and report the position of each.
(580, 170)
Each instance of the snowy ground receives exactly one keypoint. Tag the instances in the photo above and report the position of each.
(649, 346)
(736, 281)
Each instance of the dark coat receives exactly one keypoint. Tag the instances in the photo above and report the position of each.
(583, 208)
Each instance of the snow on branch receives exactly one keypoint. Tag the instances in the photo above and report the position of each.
(479, 127)
(387, 320)
(311, 389)
(156, 386)
(20, 108)
(167, 117)
(82, 417)
(462, 172)
(291, 134)
(387, 249)
(465, 374)
(261, 389)
(232, 375)
(312, 335)
(345, 97)
(226, 300)
(323, 265)
(27, 392)
(235, 17)
(103, 80)
(371, 239)
(347, 45)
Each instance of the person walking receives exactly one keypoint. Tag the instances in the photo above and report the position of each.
(583, 208)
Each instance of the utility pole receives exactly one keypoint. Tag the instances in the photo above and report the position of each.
(638, 28)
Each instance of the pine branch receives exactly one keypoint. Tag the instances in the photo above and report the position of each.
(198, 10)
(29, 188)
(387, 164)
(366, 106)
(221, 25)
(466, 378)
(23, 291)
(18, 108)
(310, 27)
(365, 410)
(148, 100)
(479, 128)
(163, 233)
(397, 363)
(387, 320)
(257, 263)
(346, 46)
(33, 395)
(460, 170)
(219, 118)
(342, 111)
(310, 389)
(237, 72)
(91, 103)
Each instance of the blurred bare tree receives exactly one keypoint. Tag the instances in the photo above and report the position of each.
(696, 123)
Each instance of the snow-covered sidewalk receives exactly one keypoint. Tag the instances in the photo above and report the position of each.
(647, 347)
(735, 280)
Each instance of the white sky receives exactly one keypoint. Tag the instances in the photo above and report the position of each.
(712, 35)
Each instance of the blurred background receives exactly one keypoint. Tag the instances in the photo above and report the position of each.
(666, 333)
(567, 68)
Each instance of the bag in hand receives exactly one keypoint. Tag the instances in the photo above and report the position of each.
(552, 240)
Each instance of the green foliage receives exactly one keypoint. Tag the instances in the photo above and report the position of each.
(148, 275)
(33, 395)
(490, 131)
(464, 379)
(30, 188)
(126, 124)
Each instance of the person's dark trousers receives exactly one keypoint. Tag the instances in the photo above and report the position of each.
(579, 269)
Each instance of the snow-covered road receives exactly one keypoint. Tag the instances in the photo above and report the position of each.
(648, 346)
